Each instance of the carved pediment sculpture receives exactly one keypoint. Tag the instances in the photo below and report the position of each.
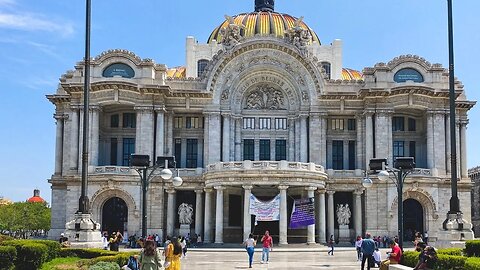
(298, 36)
(265, 97)
(231, 33)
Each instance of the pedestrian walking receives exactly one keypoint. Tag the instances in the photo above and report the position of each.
(358, 246)
(368, 247)
(105, 241)
(150, 258)
(173, 254)
(250, 243)
(267, 246)
(331, 244)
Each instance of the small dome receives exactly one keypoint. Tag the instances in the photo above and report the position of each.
(351, 74)
(5, 201)
(176, 72)
(36, 197)
(262, 23)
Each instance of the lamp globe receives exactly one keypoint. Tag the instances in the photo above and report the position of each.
(166, 174)
(383, 175)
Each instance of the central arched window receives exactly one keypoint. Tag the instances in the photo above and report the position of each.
(119, 70)
(328, 68)
(201, 66)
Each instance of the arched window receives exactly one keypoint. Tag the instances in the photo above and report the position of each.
(328, 68)
(407, 74)
(120, 70)
(201, 65)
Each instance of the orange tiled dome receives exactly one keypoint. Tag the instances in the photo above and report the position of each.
(36, 197)
(262, 23)
(351, 74)
(176, 72)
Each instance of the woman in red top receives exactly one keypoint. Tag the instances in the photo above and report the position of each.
(393, 257)
(267, 246)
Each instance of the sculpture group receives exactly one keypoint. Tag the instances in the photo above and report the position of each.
(343, 214)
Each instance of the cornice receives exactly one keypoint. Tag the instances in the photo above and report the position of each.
(58, 99)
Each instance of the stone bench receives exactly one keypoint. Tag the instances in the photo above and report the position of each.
(399, 267)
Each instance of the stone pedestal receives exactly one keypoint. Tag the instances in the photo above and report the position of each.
(455, 232)
(184, 229)
(343, 234)
(83, 232)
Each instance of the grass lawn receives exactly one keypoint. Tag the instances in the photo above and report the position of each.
(69, 263)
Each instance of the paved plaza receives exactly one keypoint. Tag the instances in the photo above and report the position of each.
(343, 259)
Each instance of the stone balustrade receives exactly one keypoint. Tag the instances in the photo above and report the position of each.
(264, 165)
(117, 170)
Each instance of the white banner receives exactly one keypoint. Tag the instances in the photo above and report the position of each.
(265, 211)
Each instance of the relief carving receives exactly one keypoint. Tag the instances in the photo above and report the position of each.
(298, 36)
(231, 33)
(265, 97)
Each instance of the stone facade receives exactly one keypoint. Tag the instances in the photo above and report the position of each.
(474, 175)
(264, 116)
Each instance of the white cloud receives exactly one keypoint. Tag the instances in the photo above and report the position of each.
(33, 22)
(7, 2)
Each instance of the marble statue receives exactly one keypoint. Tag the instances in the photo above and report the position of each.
(185, 212)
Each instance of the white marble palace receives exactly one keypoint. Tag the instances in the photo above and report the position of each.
(263, 108)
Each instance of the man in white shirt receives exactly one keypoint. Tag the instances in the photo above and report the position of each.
(377, 257)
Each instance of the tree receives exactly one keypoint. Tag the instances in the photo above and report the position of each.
(22, 219)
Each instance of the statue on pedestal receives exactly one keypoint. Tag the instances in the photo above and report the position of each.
(343, 214)
(185, 212)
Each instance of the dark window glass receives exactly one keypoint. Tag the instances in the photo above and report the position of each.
(234, 208)
(192, 153)
(351, 155)
(412, 124)
(114, 120)
(398, 123)
(201, 65)
(408, 74)
(129, 120)
(337, 155)
(113, 151)
(328, 68)
(128, 149)
(398, 149)
(280, 150)
(248, 149)
(178, 152)
(411, 150)
(351, 124)
(264, 150)
(119, 70)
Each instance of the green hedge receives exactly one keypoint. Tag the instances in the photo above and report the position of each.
(85, 253)
(30, 256)
(53, 247)
(410, 258)
(451, 251)
(8, 255)
(5, 238)
(444, 262)
(472, 263)
(472, 248)
(104, 266)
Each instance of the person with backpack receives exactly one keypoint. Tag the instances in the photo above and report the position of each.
(368, 247)
(150, 258)
(173, 254)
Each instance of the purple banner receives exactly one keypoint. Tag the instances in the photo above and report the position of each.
(303, 213)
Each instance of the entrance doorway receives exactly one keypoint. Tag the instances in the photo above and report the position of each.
(412, 219)
(114, 215)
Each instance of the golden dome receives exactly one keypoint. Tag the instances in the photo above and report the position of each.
(350, 74)
(176, 72)
(262, 23)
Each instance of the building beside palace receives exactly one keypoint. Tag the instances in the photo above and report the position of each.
(262, 108)
(474, 174)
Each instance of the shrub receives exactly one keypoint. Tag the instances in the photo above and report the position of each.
(410, 258)
(472, 248)
(120, 259)
(30, 256)
(53, 247)
(85, 253)
(104, 266)
(472, 263)
(5, 238)
(451, 251)
(7, 257)
(450, 262)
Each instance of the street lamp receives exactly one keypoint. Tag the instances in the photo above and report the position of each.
(141, 163)
(403, 166)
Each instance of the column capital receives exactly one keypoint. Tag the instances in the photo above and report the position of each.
(330, 192)
(247, 187)
(321, 191)
(142, 109)
(220, 188)
(226, 114)
(358, 192)
(310, 188)
(199, 191)
(170, 191)
(283, 187)
(208, 190)
(159, 109)
(60, 116)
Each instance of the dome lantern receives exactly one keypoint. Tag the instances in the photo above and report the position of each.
(264, 5)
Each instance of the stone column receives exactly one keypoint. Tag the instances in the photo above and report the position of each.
(447, 144)
(169, 141)
(331, 214)
(207, 235)
(321, 216)
(144, 131)
(247, 219)
(95, 136)
(430, 146)
(463, 149)
(359, 143)
(439, 142)
(219, 216)
(198, 211)
(358, 212)
(170, 211)
(226, 138)
(383, 138)
(291, 139)
(73, 148)
(298, 138)
(214, 133)
(315, 142)
(238, 138)
(80, 141)
(459, 154)
(59, 144)
(311, 228)
(323, 141)
(160, 133)
(303, 139)
(368, 138)
(283, 215)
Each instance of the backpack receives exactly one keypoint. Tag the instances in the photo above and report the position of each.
(132, 263)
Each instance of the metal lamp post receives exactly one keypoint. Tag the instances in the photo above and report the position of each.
(403, 166)
(141, 164)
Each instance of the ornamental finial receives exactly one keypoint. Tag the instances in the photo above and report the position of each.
(264, 5)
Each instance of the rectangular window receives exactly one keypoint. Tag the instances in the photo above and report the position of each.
(398, 149)
(178, 122)
(337, 124)
(264, 150)
(113, 150)
(114, 119)
(249, 123)
(412, 124)
(129, 120)
(398, 123)
(351, 124)
(192, 122)
(281, 123)
(192, 153)
(178, 152)
(351, 155)
(411, 150)
(248, 149)
(280, 150)
(128, 149)
(234, 207)
(264, 123)
(337, 155)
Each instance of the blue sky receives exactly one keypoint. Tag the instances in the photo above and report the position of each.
(41, 40)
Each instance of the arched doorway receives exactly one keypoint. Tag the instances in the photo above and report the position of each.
(412, 218)
(114, 215)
